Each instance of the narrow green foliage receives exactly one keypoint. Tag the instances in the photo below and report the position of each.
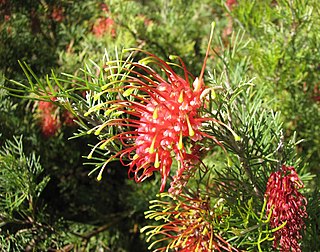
(22, 180)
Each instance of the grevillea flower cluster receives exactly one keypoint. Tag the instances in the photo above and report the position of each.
(57, 14)
(231, 3)
(50, 119)
(170, 114)
(287, 205)
(188, 225)
(103, 26)
(161, 113)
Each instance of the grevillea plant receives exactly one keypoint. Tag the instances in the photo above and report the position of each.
(209, 139)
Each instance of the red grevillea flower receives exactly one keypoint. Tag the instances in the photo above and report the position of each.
(231, 3)
(188, 225)
(48, 117)
(288, 206)
(51, 118)
(49, 125)
(57, 14)
(103, 26)
(169, 115)
(163, 116)
(161, 113)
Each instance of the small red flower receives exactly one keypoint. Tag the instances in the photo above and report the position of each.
(49, 125)
(48, 117)
(103, 26)
(231, 3)
(57, 14)
(288, 206)
(46, 107)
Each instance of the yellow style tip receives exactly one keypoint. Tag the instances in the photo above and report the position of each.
(180, 144)
(151, 149)
(135, 157)
(190, 129)
(180, 100)
(155, 114)
(196, 85)
(156, 162)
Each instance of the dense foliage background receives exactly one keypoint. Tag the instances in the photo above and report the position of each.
(47, 200)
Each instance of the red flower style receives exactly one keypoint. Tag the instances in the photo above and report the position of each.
(288, 206)
(103, 26)
(188, 226)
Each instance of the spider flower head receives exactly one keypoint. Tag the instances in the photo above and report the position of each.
(159, 114)
(287, 205)
(187, 225)
(169, 117)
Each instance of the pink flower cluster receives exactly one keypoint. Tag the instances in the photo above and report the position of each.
(288, 206)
